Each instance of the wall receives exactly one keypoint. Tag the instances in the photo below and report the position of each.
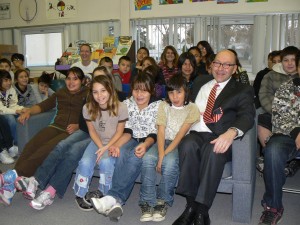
(123, 10)
(88, 10)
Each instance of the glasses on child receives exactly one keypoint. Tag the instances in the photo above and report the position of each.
(224, 65)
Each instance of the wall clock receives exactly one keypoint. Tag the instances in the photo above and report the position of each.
(27, 9)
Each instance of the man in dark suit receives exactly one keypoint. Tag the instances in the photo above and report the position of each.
(204, 152)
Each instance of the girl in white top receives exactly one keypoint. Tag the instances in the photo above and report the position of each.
(174, 118)
(105, 117)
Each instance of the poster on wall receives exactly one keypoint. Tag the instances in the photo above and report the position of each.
(201, 0)
(227, 1)
(256, 0)
(168, 2)
(142, 4)
(4, 11)
(56, 9)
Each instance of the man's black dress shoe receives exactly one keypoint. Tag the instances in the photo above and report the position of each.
(201, 219)
(187, 217)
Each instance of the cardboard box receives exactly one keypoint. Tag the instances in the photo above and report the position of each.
(6, 51)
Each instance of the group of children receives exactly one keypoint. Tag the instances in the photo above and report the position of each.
(140, 134)
(16, 95)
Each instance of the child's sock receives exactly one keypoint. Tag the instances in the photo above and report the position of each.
(51, 190)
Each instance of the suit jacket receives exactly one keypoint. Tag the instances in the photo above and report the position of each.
(236, 102)
(198, 83)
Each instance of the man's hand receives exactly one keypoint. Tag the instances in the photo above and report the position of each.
(140, 150)
(223, 142)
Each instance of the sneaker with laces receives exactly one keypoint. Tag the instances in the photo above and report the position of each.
(13, 151)
(31, 189)
(7, 192)
(147, 212)
(42, 201)
(270, 216)
(83, 205)
(5, 158)
(8, 177)
(103, 205)
(160, 211)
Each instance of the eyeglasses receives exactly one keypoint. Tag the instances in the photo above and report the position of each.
(224, 65)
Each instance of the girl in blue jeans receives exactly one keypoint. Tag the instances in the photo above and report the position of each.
(139, 135)
(105, 117)
(174, 118)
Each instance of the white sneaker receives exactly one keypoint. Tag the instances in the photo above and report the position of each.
(115, 212)
(13, 151)
(42, 201)
(5, 158)
(103, 205)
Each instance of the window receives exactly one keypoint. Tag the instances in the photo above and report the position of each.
(234, 32)
(42, 46)
(42, 49)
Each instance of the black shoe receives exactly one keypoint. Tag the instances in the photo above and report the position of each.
(83, 205)
(187, 217)
(92, 194)
(201, 220)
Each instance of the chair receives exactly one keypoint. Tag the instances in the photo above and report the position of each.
(239, 176)
(32, 126)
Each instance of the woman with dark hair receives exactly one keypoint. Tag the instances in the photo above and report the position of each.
(187, 67)
(68, 102)
(197, 54)
(168, 62)
(206, 50)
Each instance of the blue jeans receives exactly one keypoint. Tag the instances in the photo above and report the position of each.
(57, 169)
(169, 172)
(12, 122)
(278, 151)
(85, 171)
(127, 169)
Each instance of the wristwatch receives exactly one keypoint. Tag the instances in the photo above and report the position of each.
(235, 129)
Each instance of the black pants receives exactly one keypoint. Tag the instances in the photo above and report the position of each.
(200, 168)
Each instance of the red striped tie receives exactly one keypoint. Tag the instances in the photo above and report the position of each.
(210, 104)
